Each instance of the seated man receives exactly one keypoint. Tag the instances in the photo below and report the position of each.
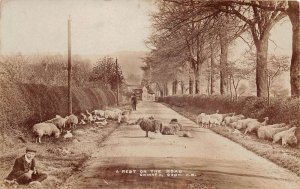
(24, 170)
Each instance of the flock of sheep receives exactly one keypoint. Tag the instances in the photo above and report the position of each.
(151, 124)
(57, 125)
(276, 132)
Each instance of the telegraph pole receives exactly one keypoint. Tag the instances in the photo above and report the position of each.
(118, 78)
(69, 67)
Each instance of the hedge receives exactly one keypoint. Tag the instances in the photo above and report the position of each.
(284, 110)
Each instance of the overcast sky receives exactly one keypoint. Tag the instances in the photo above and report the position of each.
(98, 27)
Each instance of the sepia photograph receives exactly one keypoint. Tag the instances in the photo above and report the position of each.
(150, 94)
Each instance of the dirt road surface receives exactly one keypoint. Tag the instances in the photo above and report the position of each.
(127, 159)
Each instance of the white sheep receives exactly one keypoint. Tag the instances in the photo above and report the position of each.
(83, 117)
(199, 118)
(98, 113)
(252, 126)
(109, 114)
(268, 132)
(286, 137)
(71, 120)
(231, 119)
(151, 125)
(242, 124)
(90, 117)
(216, 119)
(41, 129)
(68, 135)
(59, 122)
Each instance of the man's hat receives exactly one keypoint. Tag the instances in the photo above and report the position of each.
(30, 149)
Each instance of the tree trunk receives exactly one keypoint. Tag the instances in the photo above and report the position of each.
(261, 66)
(197, 78)
(293, 13)
(175, 87)
(191, 86)
(212, 72)
(223, 65)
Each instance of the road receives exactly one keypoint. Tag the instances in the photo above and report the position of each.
(206, 160)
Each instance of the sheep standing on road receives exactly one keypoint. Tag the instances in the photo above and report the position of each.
(41, 129)
(151, 125)
(286, 137)
(203, 119)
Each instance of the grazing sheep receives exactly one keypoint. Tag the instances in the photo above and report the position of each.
(242, 124)
(231, 119)
(268, 132)
(68, 135)
(254, 125)
(109, 114)
(98, 113)
(83, 117)
(286, 137)
(41, 129)
(203, 119)
(216, 119)
(151, 125)
(71, 121)
(59, 122)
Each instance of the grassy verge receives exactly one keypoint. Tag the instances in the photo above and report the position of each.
(288, 158)
(60, 159)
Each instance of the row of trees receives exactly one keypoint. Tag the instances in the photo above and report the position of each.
(52, 70)
(194, 37)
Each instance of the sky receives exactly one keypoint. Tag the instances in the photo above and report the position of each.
(98, 26)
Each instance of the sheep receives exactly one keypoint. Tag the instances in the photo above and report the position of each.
(176, 124)
(286, 137)
(41, 129)
(242, 124)
(68, 135)
(83, 117)
(109, 114)
(216, 119)
(59, 122)
(116, 110)
(268, 132)
(254, 125)
(71, 120)
(151, 125)
(231, 119)
(203, 119)
(170, 129)
(98, 113)
(123, 119)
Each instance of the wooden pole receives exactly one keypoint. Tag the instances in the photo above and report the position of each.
(69, 68)
(117, 81)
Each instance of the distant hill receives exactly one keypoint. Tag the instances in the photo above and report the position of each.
(130, 62)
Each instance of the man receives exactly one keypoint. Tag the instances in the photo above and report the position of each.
(24, 170)
(133, 101)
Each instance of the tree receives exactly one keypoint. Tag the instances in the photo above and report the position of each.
(276, 65)
(107, 73)
(237, 72)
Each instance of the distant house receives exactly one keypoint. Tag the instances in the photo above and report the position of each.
(148, 94)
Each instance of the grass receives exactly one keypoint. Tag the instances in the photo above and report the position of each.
(288, 158)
